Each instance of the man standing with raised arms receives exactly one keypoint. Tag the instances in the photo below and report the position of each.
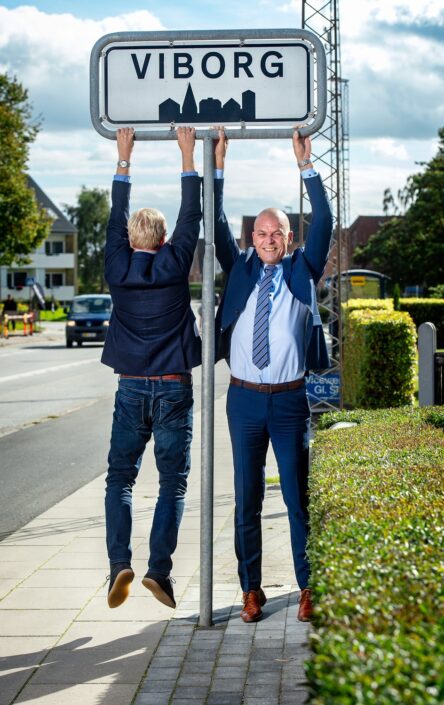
(269, 329)
(152, 343)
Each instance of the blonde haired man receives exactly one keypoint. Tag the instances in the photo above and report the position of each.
(153, 344)
(147, 229)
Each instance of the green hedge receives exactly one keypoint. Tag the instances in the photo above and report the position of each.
(377, 554)
(379, 359)
(425, 311)
(372, 304)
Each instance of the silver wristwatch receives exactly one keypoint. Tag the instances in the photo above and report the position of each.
(123, 163)
(303, 162)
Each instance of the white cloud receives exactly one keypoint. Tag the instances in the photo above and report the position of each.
(49, 53)
(389, 148)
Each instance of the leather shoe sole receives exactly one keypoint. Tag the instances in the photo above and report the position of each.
(158, 592)
(121, 588)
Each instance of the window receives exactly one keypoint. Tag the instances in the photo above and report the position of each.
(16, 280)
(54, 247)
(98, 304)
(53, 280)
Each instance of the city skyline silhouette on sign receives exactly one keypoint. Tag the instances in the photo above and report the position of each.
(209, 110)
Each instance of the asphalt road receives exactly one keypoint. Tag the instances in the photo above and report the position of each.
(55, 421)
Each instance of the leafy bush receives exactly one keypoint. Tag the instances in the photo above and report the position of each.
(424, 311)
(372, 304)
(379, 359)
(377, 552)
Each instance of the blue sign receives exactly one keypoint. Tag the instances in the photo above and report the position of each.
(323, 388)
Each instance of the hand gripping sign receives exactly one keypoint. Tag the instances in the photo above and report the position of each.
(262, 82)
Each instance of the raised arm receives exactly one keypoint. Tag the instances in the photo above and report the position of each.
(319, 233)
(117, 249)
(227, 249)
(186, 232)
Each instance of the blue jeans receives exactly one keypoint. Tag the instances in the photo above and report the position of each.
(255, 418)
(144, 407)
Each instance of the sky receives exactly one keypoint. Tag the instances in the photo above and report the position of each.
(391, 53)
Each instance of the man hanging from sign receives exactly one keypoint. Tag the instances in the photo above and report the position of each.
(152, 343)
(269, 329)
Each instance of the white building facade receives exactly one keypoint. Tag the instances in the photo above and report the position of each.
(53, 265)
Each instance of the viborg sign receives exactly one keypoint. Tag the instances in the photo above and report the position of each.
(245, 79)
(207, 84)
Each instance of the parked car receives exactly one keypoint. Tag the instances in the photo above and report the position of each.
(88, 319)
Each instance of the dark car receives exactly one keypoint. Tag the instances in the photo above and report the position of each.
(88, 319)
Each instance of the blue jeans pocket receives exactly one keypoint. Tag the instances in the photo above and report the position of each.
(175, 413)
(129, 409)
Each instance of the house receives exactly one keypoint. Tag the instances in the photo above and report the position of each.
(53, 265)
(360, 231)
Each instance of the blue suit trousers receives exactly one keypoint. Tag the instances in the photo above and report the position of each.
(254, 419)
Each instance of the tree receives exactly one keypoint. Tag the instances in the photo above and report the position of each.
(90, 216)
(23, 223)
(409, 248)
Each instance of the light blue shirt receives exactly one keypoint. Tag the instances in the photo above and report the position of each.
(287, 322)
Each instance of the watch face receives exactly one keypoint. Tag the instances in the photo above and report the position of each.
(123, 163)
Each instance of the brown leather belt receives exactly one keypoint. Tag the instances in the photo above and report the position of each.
(268, 388)
(183, 378)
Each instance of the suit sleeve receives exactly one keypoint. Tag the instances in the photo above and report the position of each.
(227, 249)
(317, 244)
(117, 248)
(186, 232)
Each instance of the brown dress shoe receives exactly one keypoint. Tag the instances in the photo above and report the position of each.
(253, 600)
(305, 606)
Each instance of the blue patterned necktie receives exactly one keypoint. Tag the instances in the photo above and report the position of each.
(261, 348)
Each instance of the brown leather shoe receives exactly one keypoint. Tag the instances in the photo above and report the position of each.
(253, 600)
(305, 606)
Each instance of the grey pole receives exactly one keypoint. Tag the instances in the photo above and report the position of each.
(207, 453)
(426, 364)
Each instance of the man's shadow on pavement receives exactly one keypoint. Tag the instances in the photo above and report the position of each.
(122, 661)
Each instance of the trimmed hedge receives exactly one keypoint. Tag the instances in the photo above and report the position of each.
(379, 359)
(426, 311)
(377, 554)
(372, 304)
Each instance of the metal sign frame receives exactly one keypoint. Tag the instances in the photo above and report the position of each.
(207, 135)
(240, 36)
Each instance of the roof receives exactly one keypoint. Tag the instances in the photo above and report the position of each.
(60, 224)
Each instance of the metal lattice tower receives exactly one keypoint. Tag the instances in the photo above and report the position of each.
(331, 150)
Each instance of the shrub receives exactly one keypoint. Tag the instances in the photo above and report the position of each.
(424, 311)
(377, 550)
(372, 304)
(379, 359)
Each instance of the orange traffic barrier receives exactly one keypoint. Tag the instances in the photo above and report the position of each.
(28, 322)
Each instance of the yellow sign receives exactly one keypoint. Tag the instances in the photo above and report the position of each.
(357, 281)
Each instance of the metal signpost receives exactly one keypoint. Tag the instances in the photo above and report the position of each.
(259, 83)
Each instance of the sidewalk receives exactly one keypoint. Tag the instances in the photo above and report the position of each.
(49, 332)
(60, 644)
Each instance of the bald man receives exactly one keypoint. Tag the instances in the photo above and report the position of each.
(269, 330)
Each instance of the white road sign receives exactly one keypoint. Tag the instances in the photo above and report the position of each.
(267, 82)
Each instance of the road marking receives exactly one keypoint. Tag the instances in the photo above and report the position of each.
(45, 370)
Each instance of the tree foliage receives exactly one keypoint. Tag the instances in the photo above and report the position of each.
(90, 217)
(409, 248)
(23, 223)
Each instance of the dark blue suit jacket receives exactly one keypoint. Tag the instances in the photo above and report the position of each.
(302, 271)
(152, 328)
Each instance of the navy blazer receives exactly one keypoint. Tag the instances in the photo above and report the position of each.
(302, 271)
(152, 328)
